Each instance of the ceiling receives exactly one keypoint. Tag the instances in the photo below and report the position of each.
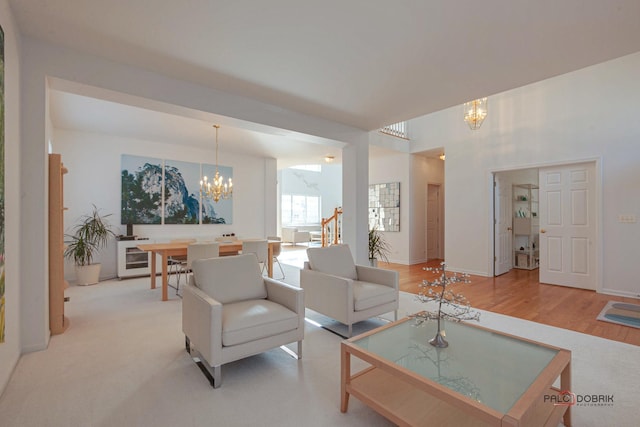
(362, 63)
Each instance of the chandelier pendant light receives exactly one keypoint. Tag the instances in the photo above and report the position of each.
(475, 112)
(218, 188)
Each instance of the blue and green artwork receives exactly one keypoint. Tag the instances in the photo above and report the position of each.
(141, 190)
(181, 192)
(156, 191)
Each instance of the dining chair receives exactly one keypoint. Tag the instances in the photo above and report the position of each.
(260, 248)
(199, 250)
(178, 263)
(277, 248)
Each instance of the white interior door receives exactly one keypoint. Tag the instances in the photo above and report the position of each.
(433, 221)
(567, 225)
(503, 239)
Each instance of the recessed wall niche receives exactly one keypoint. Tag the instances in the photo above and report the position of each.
(384, 206)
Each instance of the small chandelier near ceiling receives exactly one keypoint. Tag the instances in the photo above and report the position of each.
(218, 188)
(475, 112)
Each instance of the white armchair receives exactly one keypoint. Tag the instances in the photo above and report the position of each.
(230, 311)
(295, 236)
(336, 287)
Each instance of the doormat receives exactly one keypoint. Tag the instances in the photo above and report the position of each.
(621, 313)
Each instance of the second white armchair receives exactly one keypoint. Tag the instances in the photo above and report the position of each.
(336, 287)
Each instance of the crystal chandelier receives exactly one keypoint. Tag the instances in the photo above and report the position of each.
(475, 112)
(218, 188)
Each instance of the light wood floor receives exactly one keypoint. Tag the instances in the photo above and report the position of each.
(519, 294)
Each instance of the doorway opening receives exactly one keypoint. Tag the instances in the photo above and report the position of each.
(546, 218)
(434, 230)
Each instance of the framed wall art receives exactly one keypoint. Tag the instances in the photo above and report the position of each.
(384, 206)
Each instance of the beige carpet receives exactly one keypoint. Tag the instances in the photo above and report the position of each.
(122, 363)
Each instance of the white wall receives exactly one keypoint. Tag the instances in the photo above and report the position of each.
(424, 171)
(396, 167)
(414, 172)
(93, 161)
(584, 115)
(11, 348)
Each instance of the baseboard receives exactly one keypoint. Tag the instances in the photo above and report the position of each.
(620, 293)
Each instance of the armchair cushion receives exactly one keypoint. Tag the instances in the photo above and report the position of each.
(220, 283)
(247, 321)
(367, 295)
(335, 260)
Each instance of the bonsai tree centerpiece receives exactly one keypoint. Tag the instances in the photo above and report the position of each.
(378, 247)
(452, 307)
(90, 235)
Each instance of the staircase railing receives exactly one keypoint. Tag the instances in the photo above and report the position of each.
(332, 235)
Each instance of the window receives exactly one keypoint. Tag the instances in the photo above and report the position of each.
(300, 210)
(396, 129)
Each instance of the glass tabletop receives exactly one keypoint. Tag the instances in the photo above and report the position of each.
(483, 365)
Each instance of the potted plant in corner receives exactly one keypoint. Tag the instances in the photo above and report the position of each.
(90, 235)
(378, 247)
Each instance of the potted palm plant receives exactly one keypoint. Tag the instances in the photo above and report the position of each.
(378, 247)
(90, 235)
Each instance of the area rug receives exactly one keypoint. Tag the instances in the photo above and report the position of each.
(622, 313)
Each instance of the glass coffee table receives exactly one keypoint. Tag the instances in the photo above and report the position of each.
(484, 377)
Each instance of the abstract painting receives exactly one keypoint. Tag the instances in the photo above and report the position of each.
(141, 190)
(1, 185)
(181, 192)
(384, 206)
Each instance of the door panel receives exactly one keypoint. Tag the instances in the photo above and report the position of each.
(554, 210)
(502, 211)
(580, 248)
(567, 225)
(554, 258)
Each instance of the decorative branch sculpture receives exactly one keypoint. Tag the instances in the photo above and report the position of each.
(451, 306)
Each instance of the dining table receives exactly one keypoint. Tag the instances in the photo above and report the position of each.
(166, 250)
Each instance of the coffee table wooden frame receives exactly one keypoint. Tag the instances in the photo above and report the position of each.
(409, 399)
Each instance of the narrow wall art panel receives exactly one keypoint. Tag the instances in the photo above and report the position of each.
(181, 192)
(2, 234)
(384, 206)
(141, 190)
(220, 212)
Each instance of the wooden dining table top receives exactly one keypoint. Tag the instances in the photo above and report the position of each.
(180, 248)
(168, 249)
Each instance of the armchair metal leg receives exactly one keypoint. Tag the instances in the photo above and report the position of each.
(291, 353)
(350, 330)
(213, 373)
(395, 315)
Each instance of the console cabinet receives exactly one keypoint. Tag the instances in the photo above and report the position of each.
(133, 262)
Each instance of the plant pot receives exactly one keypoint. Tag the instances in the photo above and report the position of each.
(88, 274)
(373, 262)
